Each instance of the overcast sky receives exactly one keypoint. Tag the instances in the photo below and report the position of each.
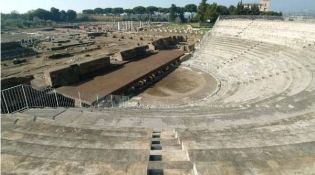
(23, 6)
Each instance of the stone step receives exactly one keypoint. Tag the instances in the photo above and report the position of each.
(15, 164)
(170, 172)
(69, 133)
(71, 153)
(117, 143)
(166, 147)
(183, 165)
(169, 155)
(105, 131)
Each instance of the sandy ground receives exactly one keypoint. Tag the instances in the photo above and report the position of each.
(182, 86)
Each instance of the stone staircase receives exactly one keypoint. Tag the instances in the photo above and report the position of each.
(167, 156)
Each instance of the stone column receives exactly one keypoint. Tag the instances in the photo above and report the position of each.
(118, 25)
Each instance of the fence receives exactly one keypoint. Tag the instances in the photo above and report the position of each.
(23, 97)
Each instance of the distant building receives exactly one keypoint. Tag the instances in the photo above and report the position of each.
(264, 5)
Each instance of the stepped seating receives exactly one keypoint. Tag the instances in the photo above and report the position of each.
(261, 121)
(268, 148)
(62, 149)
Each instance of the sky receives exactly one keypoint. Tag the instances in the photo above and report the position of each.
(22, 6)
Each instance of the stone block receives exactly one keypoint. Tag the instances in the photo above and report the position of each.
(90, 66)
(62, 76)
(14, 81)
(132, 53)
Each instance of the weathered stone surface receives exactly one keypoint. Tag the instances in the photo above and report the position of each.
(132, 53)
(14, 81)
(61, 76)
(74, 73)
(90, 66)
(166, 43)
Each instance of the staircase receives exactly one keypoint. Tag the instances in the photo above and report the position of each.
(167, 156)
(245, 28)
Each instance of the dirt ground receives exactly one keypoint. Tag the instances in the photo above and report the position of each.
(182, 86)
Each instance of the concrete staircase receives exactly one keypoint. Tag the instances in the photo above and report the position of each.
(167, 156)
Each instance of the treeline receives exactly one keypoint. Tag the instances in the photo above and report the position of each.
(203, 13)
(152, 13)
(36, 18)
(212, 11)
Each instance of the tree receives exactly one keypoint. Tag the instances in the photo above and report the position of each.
(88, 11)
(191, 8)
(211, 12)
(98, 11)
(202, 8)
(55, 14)
(240, 8)
(139, 10)
(173, 10)
(150, 10)
(63, 15)
(117, 11)
(42, 14)
(71, 15)
(232, 10)
(163, 10)
(128, 12)
(181, 12)
(255, 10)
(107, 11)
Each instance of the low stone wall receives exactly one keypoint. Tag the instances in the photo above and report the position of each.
(61, 76)
(132, 53)
(166, 43)
(14, 81)
(188, 48)
(10, 46)
(71, 74)
(88, 67)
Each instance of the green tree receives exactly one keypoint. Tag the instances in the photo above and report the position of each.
(240, 8)
(107, 11)
(150, 10)
(163, 10)
(71, 15)
(55, 14)
(255, 10)
(192, 9)
(139, 10)
(202, 8)
(117, 11)
(173, 11)
(63, 15)
(42, 14)
(98, 11)
(211, 12)
(88, 11)
(232, 10)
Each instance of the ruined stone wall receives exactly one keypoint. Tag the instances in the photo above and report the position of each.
(14, 81)
(71, 74)
(166, 43)
(87, 67)
(132, 53)
(61, 76)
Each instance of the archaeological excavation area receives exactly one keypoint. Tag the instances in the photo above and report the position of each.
(239, 101)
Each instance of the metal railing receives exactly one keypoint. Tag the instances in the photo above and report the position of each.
(23, 97)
